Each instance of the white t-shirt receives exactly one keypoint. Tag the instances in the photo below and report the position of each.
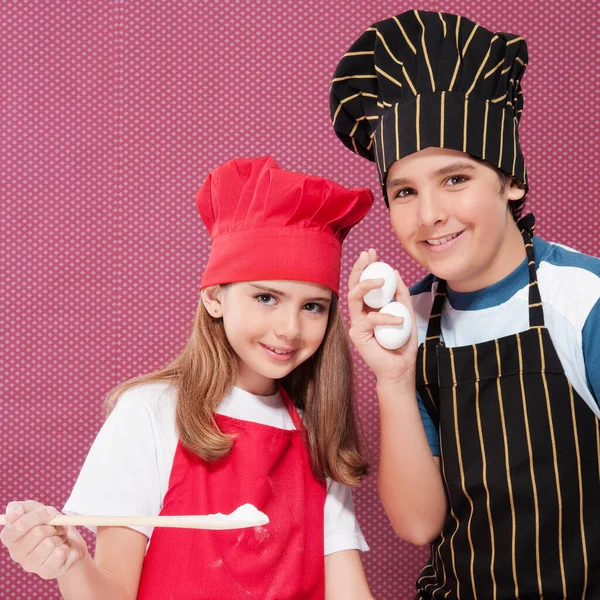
(128, 466)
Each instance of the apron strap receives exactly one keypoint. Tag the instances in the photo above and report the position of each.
(536, 314)
(293, 411)
(434, 327)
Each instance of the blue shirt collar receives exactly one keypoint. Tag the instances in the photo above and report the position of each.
(498, 292)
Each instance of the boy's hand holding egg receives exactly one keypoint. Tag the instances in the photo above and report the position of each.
(388, 336)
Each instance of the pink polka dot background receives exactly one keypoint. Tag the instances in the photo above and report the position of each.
(111, 115)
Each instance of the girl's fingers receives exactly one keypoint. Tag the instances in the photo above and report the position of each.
(55, 564)
(36, 560)
(24, 524)
(34, 538)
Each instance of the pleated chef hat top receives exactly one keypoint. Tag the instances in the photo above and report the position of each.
(425, 79)
(267, 223)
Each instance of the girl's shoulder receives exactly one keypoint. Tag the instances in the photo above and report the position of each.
(153, 398)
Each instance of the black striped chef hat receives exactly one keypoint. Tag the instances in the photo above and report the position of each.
(431, 79)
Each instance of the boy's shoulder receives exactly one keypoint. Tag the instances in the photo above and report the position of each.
(558, 256)
(569, 280)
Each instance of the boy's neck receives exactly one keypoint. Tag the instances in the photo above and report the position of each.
(509, 256)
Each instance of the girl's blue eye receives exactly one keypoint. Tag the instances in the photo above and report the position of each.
(313, 307)
(265, 299)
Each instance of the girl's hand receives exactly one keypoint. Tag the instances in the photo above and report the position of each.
(47, 550)
(388, 365)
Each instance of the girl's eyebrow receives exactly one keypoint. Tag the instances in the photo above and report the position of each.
(275, 292)
(451, 168)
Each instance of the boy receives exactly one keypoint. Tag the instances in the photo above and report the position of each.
(497, 463)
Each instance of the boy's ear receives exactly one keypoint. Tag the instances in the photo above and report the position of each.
(212, 298)
(516, 190)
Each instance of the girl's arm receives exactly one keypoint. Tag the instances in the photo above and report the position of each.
(114, 574)
(345, 577)
(410, 482)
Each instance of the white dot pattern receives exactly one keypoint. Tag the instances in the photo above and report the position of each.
(111, 115)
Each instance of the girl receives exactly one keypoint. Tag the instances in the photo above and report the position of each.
(219, 426)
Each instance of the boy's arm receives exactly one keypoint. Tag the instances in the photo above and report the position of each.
(410, 482)
(345, 577)
(591, 350)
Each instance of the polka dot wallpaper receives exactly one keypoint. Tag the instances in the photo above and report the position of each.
(112, 113)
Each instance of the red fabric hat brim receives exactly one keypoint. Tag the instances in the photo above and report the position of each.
(272, 254)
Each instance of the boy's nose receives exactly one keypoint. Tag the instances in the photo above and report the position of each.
(431, 209)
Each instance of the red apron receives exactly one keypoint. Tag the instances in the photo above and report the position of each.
(283, 560)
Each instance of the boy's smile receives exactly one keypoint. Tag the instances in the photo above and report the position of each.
(451, 214)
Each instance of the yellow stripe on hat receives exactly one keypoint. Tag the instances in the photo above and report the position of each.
(398, 62)
(443, 23)
(487, 55)
(336, 79)
(414, 50)
(485, 121)
(425, 51)
(457, 54)
(417, 123)
(491, 71)
(514, 145)
(342, 102)
(442, 118)
(361, 53)
(465, 124)
(501, 138)
(396, 132)
(379, 70)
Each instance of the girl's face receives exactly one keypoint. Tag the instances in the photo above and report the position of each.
(273, 326)
(451, 214)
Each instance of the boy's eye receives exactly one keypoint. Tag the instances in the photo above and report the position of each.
(456, 179)
(404, 193)
(313, 307)
(267, 299)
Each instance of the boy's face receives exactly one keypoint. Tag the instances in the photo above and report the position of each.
(451, 214)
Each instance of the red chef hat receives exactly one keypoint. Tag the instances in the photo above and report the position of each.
(268, 223)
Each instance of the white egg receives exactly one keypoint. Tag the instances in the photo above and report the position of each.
(381, 296)
(393, 337)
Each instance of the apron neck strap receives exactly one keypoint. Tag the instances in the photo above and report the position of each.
(292, 410)
(526, 226)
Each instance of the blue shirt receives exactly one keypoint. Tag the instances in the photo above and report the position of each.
(569, 284)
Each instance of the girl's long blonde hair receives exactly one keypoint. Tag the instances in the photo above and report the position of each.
(206, 370)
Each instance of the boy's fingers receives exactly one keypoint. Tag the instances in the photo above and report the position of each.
(361, 262)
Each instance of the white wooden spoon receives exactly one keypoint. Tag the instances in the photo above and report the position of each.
(244, 516)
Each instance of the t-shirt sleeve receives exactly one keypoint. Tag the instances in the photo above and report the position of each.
(120, 474)
(342, 531)
(430, 429)
(591, 350)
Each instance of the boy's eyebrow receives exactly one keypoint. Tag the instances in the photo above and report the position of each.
(451, 168)
(262, 288)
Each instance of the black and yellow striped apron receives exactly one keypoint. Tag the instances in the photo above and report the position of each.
(520, 459)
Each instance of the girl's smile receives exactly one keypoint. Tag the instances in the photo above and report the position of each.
(272, 326)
